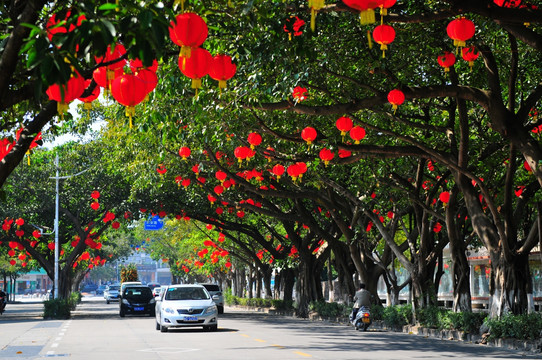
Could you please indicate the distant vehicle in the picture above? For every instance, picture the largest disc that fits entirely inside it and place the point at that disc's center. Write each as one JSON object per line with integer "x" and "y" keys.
{"x": 186, "y": 306}
{"x": 124, "y": 284}
{"x": 136, "y": 300}
{"x": 152, "y": 286}
{"x": 100, "y": 289}
{"x": 157, "y": 290}
{"x": 111, "y": 293}
{"x": 213, "y": 290}
{"x": 88, "y": 288}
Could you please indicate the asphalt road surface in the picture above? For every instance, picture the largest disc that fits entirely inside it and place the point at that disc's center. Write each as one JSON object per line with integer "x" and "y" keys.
{"x": 97, "y": 332}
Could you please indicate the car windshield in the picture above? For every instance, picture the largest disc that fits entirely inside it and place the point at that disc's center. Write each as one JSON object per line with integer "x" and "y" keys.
{"x": 139, "y": 292}
{"x": 186, "y": 293}
{"x": 212, "y": 287}
{"x": 114, "y": 288}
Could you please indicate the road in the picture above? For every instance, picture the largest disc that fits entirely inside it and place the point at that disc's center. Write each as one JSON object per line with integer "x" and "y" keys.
{"x": 97, "y": 332}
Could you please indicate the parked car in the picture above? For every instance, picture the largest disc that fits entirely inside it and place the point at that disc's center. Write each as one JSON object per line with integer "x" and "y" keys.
{"x": 100, "y": 289}
{"x": 213, "y": 290}
{"x": 111, "y": 293}
{"x": 88, "y": 288}
{"x": 136, "y": 300}
{"x": 186, "y": 306}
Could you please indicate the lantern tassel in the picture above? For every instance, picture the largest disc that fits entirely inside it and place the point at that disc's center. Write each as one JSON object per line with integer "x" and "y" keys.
{"x": 130, "y": 112}
{"x": 367, "y": 17}
{"x": 28, "y": 157}
{"x": 61, "y": 108}
{"x": 313, "y": 19}
{"x": 369, "y": 39}
{"x": 383, "y": 47}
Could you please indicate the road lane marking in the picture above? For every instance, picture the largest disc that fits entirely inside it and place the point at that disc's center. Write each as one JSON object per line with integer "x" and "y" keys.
{"x": 302, "y": 354}
{"x": 54, "y": 345}
{"x": 245, "y": 335}
{"x": 279, "y": 346}
{"x": 260, "y": 340}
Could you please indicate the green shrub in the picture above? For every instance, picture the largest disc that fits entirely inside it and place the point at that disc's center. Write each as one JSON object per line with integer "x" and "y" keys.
{"x": 257, "y": 302}
{"x": 397, "y": 316}
{"x": 56, "y": 309}
{"x": 377, "y": 312}
{"x": 525, "y": 326}
{"x": 74, "y": 299}
{"x": 328, "y": 309}
{"x": 431, "y": 317}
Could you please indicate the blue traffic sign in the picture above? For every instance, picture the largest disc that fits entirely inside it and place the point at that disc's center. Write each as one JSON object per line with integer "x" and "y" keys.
{"x": 154, "y": 223}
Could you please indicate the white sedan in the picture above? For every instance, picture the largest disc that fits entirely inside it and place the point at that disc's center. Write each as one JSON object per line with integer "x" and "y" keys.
{"x": 186, "y": 306}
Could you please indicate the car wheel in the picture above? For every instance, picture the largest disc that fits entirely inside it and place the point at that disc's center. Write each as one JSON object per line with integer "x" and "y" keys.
{"x": 214, "y": 327}
{"x": 121, "y": 313}
{"x": 221, "y": 309}
{"x": 107, "y": 301}
{"x": 152, "y": 314}
{"x": 163, "y": 328}
{"x": 157, "y": 326}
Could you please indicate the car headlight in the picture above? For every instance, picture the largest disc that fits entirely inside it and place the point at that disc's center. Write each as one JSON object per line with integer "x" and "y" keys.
{"x": 125, "y": 302}
{"x": 169, "y": 310}
{"x": 152, "y": 301}
{"x": 210, "y": 310}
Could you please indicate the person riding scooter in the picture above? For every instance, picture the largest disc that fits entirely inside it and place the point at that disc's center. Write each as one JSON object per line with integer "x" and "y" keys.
{"x": 3, "y": 301}
{"x": 362, "y": 300}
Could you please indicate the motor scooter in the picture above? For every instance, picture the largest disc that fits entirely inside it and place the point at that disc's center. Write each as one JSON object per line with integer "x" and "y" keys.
{"x": 362, "y": 321}
{"x": 3, "y": 302}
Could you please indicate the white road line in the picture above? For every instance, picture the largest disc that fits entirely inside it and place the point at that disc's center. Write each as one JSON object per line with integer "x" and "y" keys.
{"x": 54, "y": 345}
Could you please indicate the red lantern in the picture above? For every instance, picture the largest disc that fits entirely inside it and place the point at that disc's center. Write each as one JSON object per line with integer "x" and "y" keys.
{"x": 508, "y": 3}
{"x": 188, "y": 30}
{"x": 470, "y": 54}
{"x": 326, "y": 156}
{"x": 254, "y": 139}
{"x": 293, "y": 25}
{"x": 344, "y": 153}
{"x": 385, "y": 5}
{"x": 396, "y": 98}
{"x": 299, "y": 94}
{"x": 446, "y": 60}
{"x": 64, "y": 94}
{"x": 136, "y": 65}
{"x": 241, "y": 153}
{"x": 219, "y": 189}
{"x": 184, "y": 152}
{"x": 129, "y": 90}
{"x": 277, "y": 170}
{"x": 87, "y": 101}
{"x": 185, "y": 183}
{"x": 460, "y": 30}
{"x": 308, "y": 134}
{"x": 357, "y": 133}
{"x": 114, "y": 58}
{"x": 104, "y": 78}
{"x": 53, "y": 26}
{"x": 222, "y": 69}
{"x": 344, "y": 124}
{"x": 149, "y": 78}
{"x": 384, "y": 35}
{"x": 196, "y": 66}
{"x": 366, "y": 8}
{"x": 221, "y": 175}
{"x": 444, "y": 197}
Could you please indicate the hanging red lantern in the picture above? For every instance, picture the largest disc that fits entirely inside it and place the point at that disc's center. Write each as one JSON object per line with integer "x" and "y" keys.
{"x": 444, "y": 197}
{"x": 184, "y": 152}
{"x": 277, "y": 170}
{"x": 219, "y": 189}
{"x": 366, "y": 8}
{"x": 221, "y": 175}
{"x": 64, "y": 94}
{"x": 344, "y": 124}
{"x": 129, "y": 90}
{"x": 222, "y": 69}
{"x": 149, "y": 78}
{"x": 196, "y": 66}
{"x": 508, "y": 3}
{"x": 87, "y": 101}
{"x": 385, "y": 5}
{"x": 137, "y": 65}
{"x": 254, "y": 139}
{"x": 396, "y": 97}
{"x": 384, "y": 35}
{"x": 188, "y": 30}
{"x": 241, "y": 214}
{"x": 308, "y": 134}
{"x": 54, "y": 26}
{"x": 104, "y": 78}
{"x": 299, "y": 94}
{"x": 460, "y": 30}
{"x": 343, "y": 153}
{"x": 293, "y": 26}
{"x": 357, "y": 133}
{"x": 470, "y": 54}
{"x": 241, "y": 153}
{"x": 446, "y": 60}
{"x": 326, "y": 156}
{"x": 114, "y": 57}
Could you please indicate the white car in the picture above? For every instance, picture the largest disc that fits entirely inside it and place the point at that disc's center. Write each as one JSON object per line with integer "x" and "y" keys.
{"x": 213, "y": 290}
{"x": 111, "y": 293}
{"x": 186, "y": 306}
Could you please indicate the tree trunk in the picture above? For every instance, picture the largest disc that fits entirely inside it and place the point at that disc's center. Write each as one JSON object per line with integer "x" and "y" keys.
{"x": 289, "y": 283}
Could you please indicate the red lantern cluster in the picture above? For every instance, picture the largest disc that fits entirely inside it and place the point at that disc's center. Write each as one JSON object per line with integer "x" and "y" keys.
{"x": 297, "y": 170}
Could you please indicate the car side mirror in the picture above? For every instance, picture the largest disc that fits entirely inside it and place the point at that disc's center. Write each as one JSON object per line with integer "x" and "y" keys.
{"x": 216, "y": 297}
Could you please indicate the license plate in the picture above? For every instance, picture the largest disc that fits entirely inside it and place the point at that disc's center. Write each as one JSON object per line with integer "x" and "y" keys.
{"x": 139, "y": 308}
{"x": 366, "y": 320}
{"x": 190, "y": 318}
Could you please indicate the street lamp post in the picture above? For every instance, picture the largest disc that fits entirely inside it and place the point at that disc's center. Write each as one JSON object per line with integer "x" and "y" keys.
{"x": 57, "y": 207}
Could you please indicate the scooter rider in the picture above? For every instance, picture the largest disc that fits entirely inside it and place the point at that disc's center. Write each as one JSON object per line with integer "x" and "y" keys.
{"x": 362, "y": 298}
{"x": 3, "y": 301}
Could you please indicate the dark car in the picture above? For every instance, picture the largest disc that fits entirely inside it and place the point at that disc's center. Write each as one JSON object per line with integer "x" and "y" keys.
{"x": 136, "y": 300}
